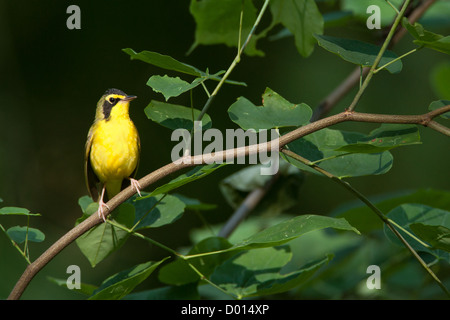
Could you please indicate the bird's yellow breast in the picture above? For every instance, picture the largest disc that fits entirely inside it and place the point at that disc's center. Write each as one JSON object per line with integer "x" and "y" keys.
{"x": 115, "y": 149}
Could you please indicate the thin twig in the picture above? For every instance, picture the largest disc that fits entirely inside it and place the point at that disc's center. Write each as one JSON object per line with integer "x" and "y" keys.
{"x": 439, "y": 127}
{"x": 352, "y": 79}
{"x": 378, "y": 57}
{"x": 236, "y": 60}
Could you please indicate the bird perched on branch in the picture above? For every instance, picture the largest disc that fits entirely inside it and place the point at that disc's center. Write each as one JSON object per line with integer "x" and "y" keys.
{"x": 112, "y": 149}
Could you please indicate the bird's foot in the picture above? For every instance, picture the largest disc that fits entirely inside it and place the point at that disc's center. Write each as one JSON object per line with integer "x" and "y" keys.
{"x": 135, "y": 184}
{"x": 101, "y": 205}
{"x": 101, "y": 213}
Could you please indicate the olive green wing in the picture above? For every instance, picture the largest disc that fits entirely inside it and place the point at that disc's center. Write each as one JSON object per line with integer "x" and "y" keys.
{"x": 90, "y": 177}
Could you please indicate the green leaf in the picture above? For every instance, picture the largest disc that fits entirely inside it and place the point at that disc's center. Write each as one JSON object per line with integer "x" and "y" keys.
{"x": 179, "y": 272}
{"x": 437, "y": 236}
{"x": 358, "y": 52}
{"x": 276, "y": 112}
{"x": 102, "y": 240}
{"x": 169, "y": 63}
{"x": 84, "y": 202}
{"x": 174, "y": 116}
{"x": 122, "y": 283}
{"x": 170, "y": 86}
{"x": 17, "y": 211}
{"x": 86, "y": 289}
{"x": 302, "y": 18}
{"x": 426, "y": 38}
{"x": 157, "y": 211}
{"x": 291, "y": 229}
{"x": 439, "y": 104}
{"x": 164, "y": 62}
{"x": 412, "y": 213}
{"x": 19, "y": 234}
{"x": 218, "y": 22}
{"x": 195, "y": 174}
{"x": 440, "y": 80}
{"x": 386, "y": 137}
{"x": 320, "y": 147}
{"x": 362, "y": 218}
{"x": 257, "y": 272}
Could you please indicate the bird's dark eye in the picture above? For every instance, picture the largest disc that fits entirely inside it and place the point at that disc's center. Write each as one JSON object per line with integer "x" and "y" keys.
{"x": 112, "y": 100}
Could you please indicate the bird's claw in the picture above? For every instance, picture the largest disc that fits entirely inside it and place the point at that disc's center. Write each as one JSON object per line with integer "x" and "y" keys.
{"x": 100, "y": 211}
{"x": 102, "y": 204}
{"x": 135, "y": 184}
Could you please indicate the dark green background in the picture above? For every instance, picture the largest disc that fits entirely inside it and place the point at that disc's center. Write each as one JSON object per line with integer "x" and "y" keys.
{"x": 52, "y": 77}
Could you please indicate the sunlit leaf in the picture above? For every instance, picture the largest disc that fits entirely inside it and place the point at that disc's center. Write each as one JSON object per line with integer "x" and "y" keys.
{"x": 17, "y": 211}
{"x": 275, "y": 112}
{"x": 171, "y": 86}
{"x": 19, "y": 234}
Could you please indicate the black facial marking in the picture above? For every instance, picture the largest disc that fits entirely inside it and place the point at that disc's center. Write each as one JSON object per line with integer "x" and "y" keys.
{"x": 109, "y": 103}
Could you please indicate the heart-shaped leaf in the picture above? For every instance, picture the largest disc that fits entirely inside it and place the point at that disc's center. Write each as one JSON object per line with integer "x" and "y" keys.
{"x": 276, "y": 112}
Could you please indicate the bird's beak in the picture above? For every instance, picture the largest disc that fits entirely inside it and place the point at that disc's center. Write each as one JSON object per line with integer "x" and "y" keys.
{"x": 129, "y": 98}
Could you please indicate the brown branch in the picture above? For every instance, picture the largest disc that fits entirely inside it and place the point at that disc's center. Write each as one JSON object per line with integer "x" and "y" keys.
{"x": 155, "y": 176}
{"x": 439, "y": 127}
